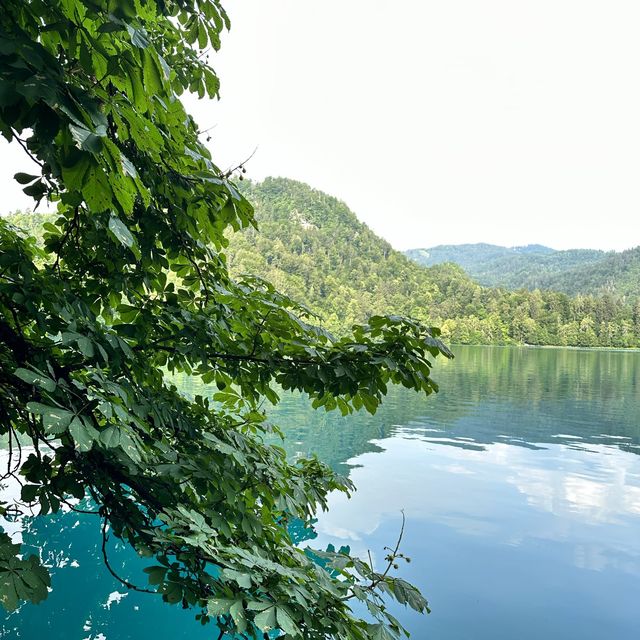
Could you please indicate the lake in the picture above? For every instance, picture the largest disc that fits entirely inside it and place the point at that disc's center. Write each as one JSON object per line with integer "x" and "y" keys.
{"x": 520, "y": 482}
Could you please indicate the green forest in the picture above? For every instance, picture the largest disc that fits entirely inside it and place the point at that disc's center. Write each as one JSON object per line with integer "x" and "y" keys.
{"x": 313, "y": 247}
{"x": 573, "y": 271}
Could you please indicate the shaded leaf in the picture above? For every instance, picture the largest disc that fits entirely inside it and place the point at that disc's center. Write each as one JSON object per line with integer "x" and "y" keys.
{"x": 36, "y": 378}
{"x": 120, "y": 231}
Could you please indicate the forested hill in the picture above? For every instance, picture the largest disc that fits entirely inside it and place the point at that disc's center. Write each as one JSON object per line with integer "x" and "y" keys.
{"x": 313, "y": 247}
{"x": 616, "y": 273}
{"x": 530, "y": 267}
{"x": 537, "y": 267}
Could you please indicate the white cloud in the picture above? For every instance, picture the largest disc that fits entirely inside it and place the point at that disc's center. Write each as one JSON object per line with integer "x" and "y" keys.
{"x": 506, "y": 493}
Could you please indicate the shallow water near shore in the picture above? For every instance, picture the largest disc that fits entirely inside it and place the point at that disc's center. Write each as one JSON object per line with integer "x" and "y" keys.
{"x": 520, "y": 483}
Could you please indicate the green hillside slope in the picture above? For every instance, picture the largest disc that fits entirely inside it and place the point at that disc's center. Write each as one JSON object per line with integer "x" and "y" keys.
{"x": 311, "y": 246}
{"x": 530, "y": 267}
{"x": 617, "y": 274}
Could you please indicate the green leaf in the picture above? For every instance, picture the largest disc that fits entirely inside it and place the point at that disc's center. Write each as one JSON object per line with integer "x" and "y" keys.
{"x": 380, "y": 632}
{"x": 121, "y": 232}
{"x": 87, "y": 140}
{"x": 243, "y": 579}
{"x": 212, "y": 83}
{"x": 156, "y": 574}
{"x": 83, "y": 434}
{"x": 74, "y": 174}
{"x": 286, "y": 623}
{"x": 24, "y": 178}
{"x": 36, "y": 378}
{"x": 96, "y": 189}
{"x": 237, "y": 614}
{"x": 406, "y": 593}
{"x": 21, "y": 579}
{"x": 258, "y": 605}
{"x": 128, "y": 166}
{"x": 86, "y": 347}
{"x": 172, "y": 592}
{"x": 111, "y": 27}
{"x": 152, "y": 73}
{"x": 138, "y": 37}
{"x": 219, "y": 606}
{"x": 36, "y": 190}
{"x": 29, "y": 492}
{"x": 55, "y": 420}
{"x": 129, "y": 285}
{"x": 266, "y": 620}
{"x": 124, "y": 193}
{"x": 110, "y": 437}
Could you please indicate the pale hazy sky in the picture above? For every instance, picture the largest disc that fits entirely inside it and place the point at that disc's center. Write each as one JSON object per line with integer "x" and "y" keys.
{"x": 504, "y": 121}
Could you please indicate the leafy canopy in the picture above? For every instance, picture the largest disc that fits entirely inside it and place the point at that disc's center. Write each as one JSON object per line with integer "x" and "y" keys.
{"x": 132, "y": 283}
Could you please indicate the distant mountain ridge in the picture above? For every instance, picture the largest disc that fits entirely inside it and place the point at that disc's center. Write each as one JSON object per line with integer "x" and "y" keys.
{"x": 573, "y": 271}
{"x": 616, "y": 273}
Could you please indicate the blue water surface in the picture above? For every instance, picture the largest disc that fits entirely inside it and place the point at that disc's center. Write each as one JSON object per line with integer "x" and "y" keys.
{"x": 520, "y": 483}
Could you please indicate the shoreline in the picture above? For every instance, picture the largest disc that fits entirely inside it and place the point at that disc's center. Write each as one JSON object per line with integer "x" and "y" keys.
{"x": 546, "y": 346}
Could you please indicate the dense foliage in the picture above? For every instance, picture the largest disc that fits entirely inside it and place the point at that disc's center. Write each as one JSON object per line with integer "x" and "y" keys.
{"x": 131, "y": 281}
{"x": 574, "y": 271}
{"x": 316, "y": 250}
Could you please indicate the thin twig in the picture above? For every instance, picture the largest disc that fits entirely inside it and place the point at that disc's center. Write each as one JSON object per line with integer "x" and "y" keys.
{"x": 391, "y": 560}
{"x": 259, "y": 331}
{"x": 126, "y": 583}
{"x": 229, "y": 172}
{"x": 67, "y": 233}
{"x": 21, "y": 142}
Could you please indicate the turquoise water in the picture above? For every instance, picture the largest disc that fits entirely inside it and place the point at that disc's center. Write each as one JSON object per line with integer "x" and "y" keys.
{"x": 520, "y": 482}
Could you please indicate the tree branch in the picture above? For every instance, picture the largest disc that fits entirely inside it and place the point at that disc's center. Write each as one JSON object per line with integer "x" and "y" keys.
{"x": 126, "y": 583}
